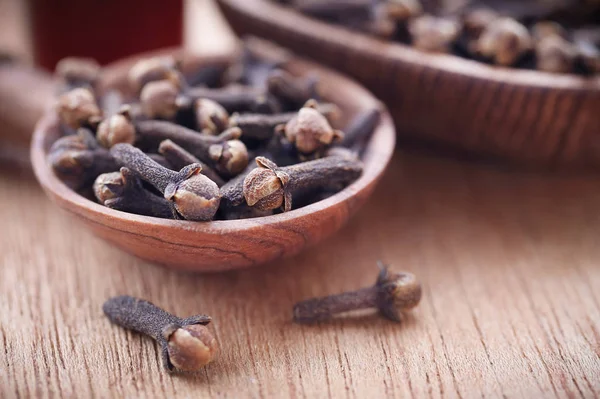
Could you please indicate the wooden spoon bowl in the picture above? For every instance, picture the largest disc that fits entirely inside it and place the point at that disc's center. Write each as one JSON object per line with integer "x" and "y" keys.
{"x": 222, "y": 245}
{"x": 525, "y": 116}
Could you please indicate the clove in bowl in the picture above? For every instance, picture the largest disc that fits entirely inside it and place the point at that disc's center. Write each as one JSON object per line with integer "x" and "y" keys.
{"x": 260, "y": 201}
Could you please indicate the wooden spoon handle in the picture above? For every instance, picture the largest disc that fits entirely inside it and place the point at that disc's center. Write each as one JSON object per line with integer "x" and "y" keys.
{"x": 25, "y": 93}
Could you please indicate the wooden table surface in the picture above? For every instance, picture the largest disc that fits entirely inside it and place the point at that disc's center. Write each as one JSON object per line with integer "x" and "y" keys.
{"x": 508, "y": 260}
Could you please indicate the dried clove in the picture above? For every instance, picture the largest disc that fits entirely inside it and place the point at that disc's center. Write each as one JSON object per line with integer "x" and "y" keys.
{"x": 263, "y": 126}
{"x": 116, "y": 129}
{"x": 270, "y": 186}
{"x": 309, "y": 131}
{"x": 164, "y": 99}
{"x": 433, "y": 34}
{"x": 78, "y": 160}
{"x": 555, "y": 54}
{"x": 211, "y": 117}
{"x": 186, "y": 344}
{"x": 233, "y": 98}
{"x": 225, "y": 152}
{"x": 259, "y": 126}
{"x": 475, "y": 21}
{"x": 123, "y": 191}
{"x": 504, "y": 41}
{"x": 194, "y": 196}
{"x": 391, "y": 295}
{"x": 158, "y": 99}
{"x": 232, "y": 192}
{"x": 179, "y": 158}
{"x": 293, "y": 91}
{"x": 153, "y": 69}
{"x": 78, "y": 107}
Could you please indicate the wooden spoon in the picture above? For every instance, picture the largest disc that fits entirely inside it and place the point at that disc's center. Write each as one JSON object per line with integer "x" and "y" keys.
{"x": 222, "y": 245}
{"x": 528, "y": 117}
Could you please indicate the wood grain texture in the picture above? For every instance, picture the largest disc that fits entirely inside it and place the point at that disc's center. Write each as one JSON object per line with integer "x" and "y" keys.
{"x": 524, "y": 116}
{"x": 508, "y": 263}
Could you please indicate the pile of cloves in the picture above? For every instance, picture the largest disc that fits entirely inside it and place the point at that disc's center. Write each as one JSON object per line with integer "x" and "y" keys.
{"x": 245, "y": 140}
{"x": 560, "y": 36}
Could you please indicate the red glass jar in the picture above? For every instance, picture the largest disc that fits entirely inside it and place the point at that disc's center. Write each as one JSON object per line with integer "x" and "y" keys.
{"x": 105, "y": 30}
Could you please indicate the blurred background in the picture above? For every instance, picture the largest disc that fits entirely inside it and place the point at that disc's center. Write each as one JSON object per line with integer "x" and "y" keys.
{"x": 36, "y": 34}
{"x": 42, "y": 31}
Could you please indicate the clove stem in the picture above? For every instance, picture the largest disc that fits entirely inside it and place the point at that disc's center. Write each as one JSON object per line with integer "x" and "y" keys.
{"x": 179, "y": 158}
{"x": 123, "y": 191}
{"x": 189, "y": 353}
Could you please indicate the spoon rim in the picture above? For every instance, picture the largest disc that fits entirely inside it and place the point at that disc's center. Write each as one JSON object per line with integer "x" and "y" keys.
{"x": 294, "y": 23}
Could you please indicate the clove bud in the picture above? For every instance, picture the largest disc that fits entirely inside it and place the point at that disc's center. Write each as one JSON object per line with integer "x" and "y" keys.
{"x": 186, "y": 344}
{"x": 159, "y": 99}
{"x": 78, "y": 107}
{"x": 555, "y": 54}
{"x": 78, "y": 160}
{"x": 116, "y": 129}
{"x": 475, "y": 21}
{"x": 153, "y": 69}
{"x": 225, "y": 152}
{"x": 310, "y": 131}
{"x": 392, "y": 294}
{"x": 504, "y": 41}
{"x": 271, "y": 187}
{"x": 433, "y": 34}
{"x": 194, "y": 196}
{"x": 263, "y": 127}
{"x": 123, "y": 191}
{"x": 211, "y": 117}
{"x": 179, "y": 158}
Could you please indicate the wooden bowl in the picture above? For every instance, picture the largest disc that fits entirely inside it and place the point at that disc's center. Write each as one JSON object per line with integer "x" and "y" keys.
{"x": 521, "y": 115}
{"x": 222, "y": 245}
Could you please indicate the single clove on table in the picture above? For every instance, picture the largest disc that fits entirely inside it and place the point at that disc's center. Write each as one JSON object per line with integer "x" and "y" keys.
{"x": 500, "y": 32}
{"x": 392, "y": 294}
{"x": 239, "y": 144}
{"x": 186, "y": 344}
